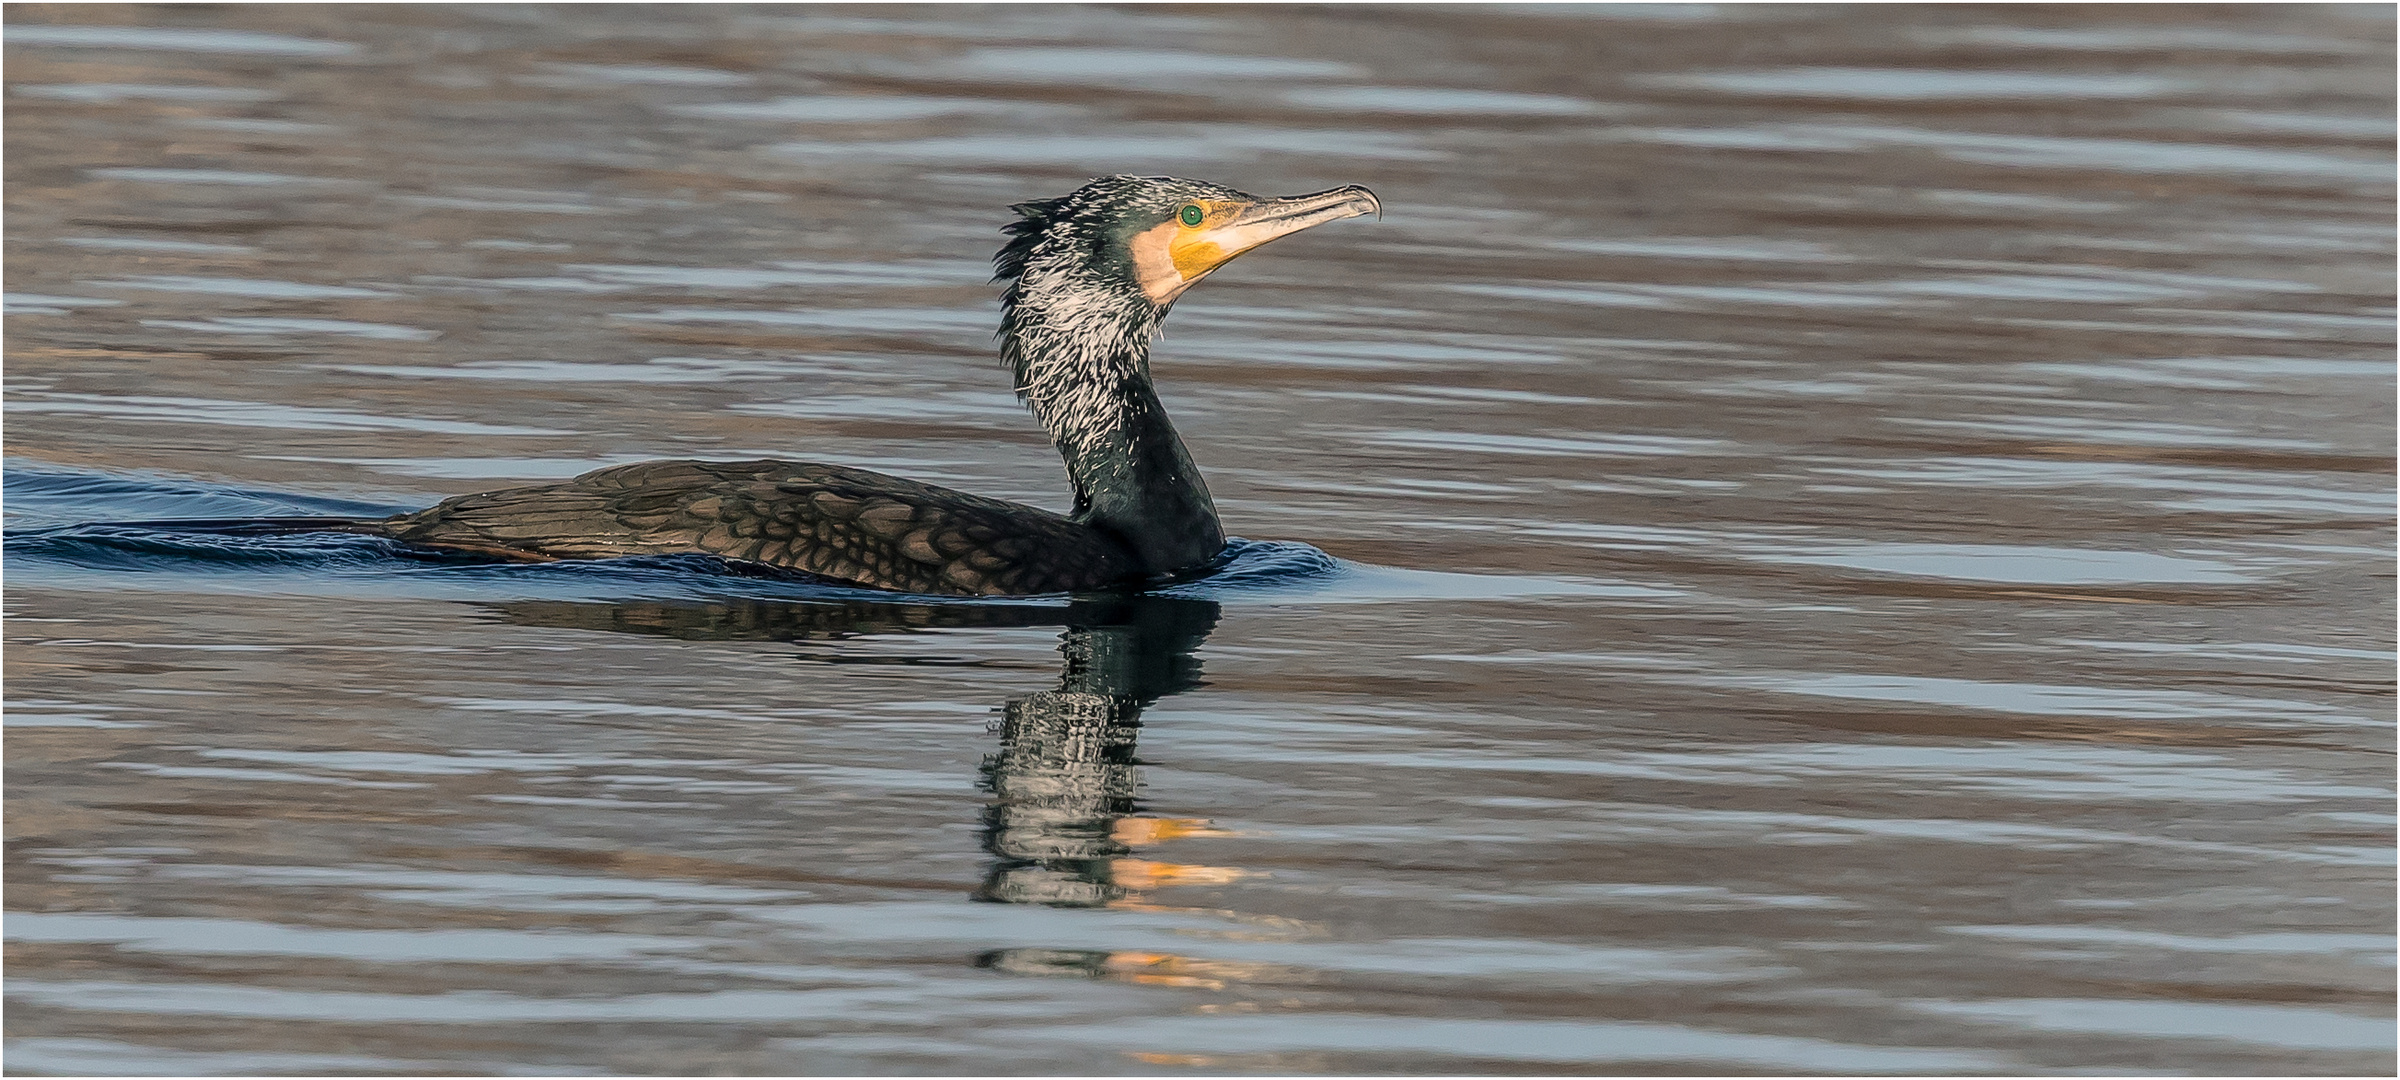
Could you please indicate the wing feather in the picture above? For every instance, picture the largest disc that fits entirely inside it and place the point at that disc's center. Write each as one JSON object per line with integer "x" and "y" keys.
{"x": 846, "y": 524}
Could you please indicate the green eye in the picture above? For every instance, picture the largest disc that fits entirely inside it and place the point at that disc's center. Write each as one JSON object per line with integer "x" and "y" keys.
{"x": 1192, "y": 215}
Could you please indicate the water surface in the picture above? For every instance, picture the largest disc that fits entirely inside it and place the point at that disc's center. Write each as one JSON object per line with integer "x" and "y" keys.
{"x": 1805, "y": 540}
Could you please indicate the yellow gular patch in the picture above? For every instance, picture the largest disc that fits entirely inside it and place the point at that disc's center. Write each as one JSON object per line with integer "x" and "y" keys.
{"x": 1172, "y": 257}
{"x": 1196, "y": 255}
{"x": 1201, "y": 248}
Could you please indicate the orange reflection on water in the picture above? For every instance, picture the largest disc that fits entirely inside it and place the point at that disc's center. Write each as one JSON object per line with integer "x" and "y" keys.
{"x": 1144, "y": 831}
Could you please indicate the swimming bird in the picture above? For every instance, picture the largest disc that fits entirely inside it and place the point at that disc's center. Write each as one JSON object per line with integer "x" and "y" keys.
{"x": 1090, "y": 278}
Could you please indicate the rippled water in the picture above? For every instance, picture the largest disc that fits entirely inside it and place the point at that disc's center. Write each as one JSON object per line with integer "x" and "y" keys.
{"x": 1806, "y": 540}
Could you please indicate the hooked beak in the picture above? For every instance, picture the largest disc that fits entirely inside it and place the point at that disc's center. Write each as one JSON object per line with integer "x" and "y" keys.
{"x": 1267, "y": 219}
{"x": 1172, "y": 257}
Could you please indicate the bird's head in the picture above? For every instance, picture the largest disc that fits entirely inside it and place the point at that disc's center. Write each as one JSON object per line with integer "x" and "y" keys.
{"x": 1152, "y": 237}
{"x": 1090, "y": 275}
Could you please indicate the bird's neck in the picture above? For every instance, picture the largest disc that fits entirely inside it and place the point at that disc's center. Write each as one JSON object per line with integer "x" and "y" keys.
{"x": 1086, "y": 373}
{"x": 1134, "y": 480}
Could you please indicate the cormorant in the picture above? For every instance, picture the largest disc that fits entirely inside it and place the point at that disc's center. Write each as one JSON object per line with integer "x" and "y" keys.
{"x": 1090, "y": 277}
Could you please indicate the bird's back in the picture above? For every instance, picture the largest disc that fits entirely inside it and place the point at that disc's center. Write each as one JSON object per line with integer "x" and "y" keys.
{"x": 836, "y": 522}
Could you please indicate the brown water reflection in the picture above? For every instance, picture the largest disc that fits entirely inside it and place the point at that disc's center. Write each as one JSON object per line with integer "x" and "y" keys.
{"x": 1869, "y": 542}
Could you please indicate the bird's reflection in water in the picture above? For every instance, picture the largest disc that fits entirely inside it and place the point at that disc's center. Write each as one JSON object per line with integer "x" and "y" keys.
{"x": 1062, "y": 824}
